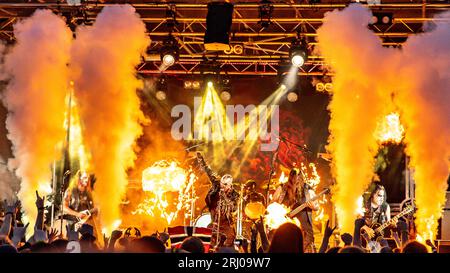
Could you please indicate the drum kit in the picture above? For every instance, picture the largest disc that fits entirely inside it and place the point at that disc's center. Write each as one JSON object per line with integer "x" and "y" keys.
{"x": 253, "y": 211}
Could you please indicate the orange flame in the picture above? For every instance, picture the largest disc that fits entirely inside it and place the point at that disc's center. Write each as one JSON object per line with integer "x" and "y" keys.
{"x": 162, "y": 177}
{"x": 277, "y": 215}
{"x": 390, "y": 129}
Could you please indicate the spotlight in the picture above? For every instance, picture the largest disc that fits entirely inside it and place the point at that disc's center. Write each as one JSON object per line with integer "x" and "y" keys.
{"x": 161, "y": 89}
{"x": 191, "y": 84}
{"x": 195, "y": 85}
{"x": 298, "y": 53}
{"x": 225, "y": 86}
{"x": 328, "y": 87}
{"x": 160, "y": 95}
{"x": 225, "y": 95}
{"x": 382, "y": 18}
{"x": 292, "y": 96}
{"x": 169, "y": 51}
{"x": 210, "y": 84}
{"x": 168, "y": 59}
{"x": 187, "y": 84}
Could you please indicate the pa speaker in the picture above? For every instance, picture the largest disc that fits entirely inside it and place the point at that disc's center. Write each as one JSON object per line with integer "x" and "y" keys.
{"x": 218, "y": 25}
{"x": 443, "y": 246}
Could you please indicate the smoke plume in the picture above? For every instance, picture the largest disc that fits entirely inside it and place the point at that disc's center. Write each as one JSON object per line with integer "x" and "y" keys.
{"x": 104, "y": 57}
{"x": 358, "y": 102}
{"x": 367, "y": 77}
{"x": 37, "y": 74}
{"x": 423, "y": 97}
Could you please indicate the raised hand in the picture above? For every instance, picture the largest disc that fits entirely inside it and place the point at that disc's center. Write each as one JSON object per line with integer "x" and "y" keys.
{"x": 14, "y": 208}
{"x": 40, "y": 236}
{"x": 19, "y": 233}
{"x": 328, "y": 230}
{"x": 39, "y": 201}
{"x": 52, "y": 234}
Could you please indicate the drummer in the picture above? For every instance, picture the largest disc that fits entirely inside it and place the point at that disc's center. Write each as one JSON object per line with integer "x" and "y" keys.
{"x": 251, "y": 195}
{"x": 254, "y": 206}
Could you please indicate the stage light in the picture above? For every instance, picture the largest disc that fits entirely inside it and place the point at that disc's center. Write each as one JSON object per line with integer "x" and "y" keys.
{"x": 210, "y": 84}
{"x": 195, "y": 85}
{"x": 161, "y": 89}
{"x": 292, "y": 96}
{"x": 382, "y": 18}
{"x": 187, "y": 84}
{"x": 225, "y": 95}
{"x": 298, "y": 53}
{"x": 225, "y": 86}
{"x": 168, "y": 59}
{"x": 328, "y": 87}
{"x": 298, "y": 60}
{"x": 160, "y": 95}
{"x": 191, "y": 84}
{"x": 169, "y": 52}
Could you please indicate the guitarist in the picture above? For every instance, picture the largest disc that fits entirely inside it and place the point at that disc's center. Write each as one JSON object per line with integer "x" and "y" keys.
{"x": 376, "y": 209}
{"x": 296, "y": 192}
{"x": 78, "y": 202}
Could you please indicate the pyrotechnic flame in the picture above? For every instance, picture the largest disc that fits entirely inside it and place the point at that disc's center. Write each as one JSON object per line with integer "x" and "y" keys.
{"x": 283, "y": 178}
{"x": 77, "y": 148}
{"x": 360, "y": 206}
{"x": 277, "y": 215}
{"x": 314, "y": 179}
{"x": 320, "y": 215}
{"x": 162, "y": 177}
{"x": 390, "y": 129}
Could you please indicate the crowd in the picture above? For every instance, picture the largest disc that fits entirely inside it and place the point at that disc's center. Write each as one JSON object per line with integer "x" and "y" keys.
{"x": 288, "y": 238}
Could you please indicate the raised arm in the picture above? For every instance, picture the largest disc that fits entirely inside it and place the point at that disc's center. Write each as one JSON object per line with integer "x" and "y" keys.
{"x": 41, "y": 209}
{"x": 213, "y": 177}
{"x": 9, "y": 216}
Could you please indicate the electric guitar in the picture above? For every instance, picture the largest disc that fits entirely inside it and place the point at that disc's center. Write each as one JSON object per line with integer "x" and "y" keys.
{"x": 378, "y": 230}
{"x": 81, "y": 221}
{"x": 298, "y": 209}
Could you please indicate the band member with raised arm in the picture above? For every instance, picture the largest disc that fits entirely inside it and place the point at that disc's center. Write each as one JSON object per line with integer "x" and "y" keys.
{"x": 222, "y": 202}
{"x": 294, "y": 193}
{"x": 78, "y": 202}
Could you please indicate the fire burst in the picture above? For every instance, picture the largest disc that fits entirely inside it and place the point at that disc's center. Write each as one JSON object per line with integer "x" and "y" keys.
{"x": 390, "y": 129}
{"x": 277, "y": 215}
{"x": 162, "y": 177}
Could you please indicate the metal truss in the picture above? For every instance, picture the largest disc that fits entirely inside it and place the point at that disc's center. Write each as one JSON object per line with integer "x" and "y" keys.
{"x": 254, "y": 50}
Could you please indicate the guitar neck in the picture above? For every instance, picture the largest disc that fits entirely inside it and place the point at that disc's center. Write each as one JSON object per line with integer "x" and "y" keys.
{"x": 303, "y": 206}
{"x": 388, "y": 223}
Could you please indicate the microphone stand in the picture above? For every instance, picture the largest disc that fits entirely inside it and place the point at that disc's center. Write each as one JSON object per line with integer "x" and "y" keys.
{"x": 272, "y": 169}
{"x": 62, "y": 200}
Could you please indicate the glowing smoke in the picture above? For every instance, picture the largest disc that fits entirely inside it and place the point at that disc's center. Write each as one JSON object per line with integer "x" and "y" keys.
{"x": 358, "y": 103}
{"x": 366, "y": 77}
{"x": 37, "y": 73}
{"x": 424, "y": 94}
{"x": 104, "y": 57}
{"x": 9, "y": 183}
